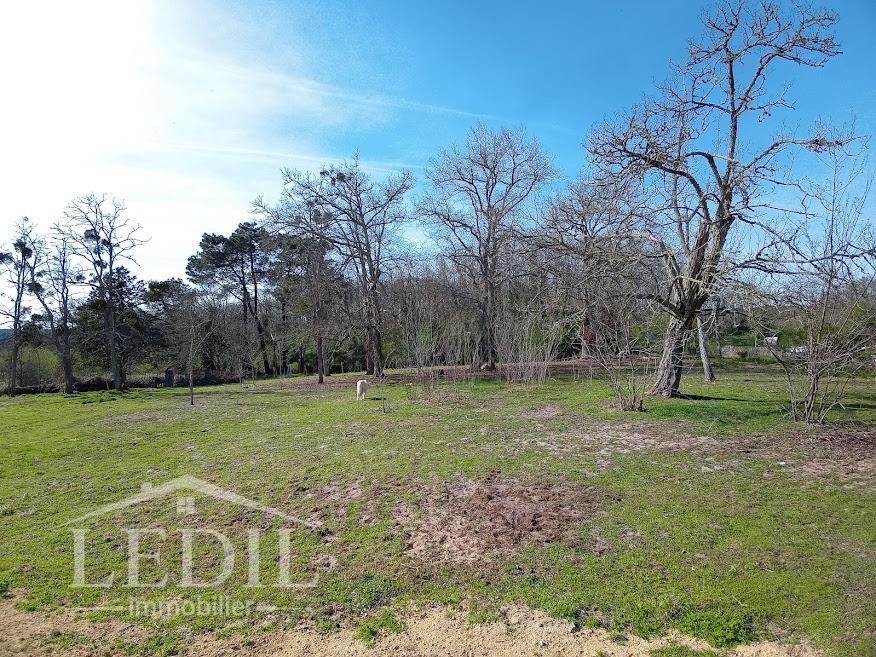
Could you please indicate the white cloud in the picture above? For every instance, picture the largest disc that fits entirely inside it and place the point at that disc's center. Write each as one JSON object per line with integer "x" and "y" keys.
{"x": 100, "y": 96}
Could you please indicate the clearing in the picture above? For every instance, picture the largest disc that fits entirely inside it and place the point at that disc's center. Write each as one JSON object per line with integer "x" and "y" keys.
{"x": 482, "y": 519}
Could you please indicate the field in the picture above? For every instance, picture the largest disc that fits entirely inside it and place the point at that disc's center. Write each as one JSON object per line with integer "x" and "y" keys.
{"x": 483, "y": 512}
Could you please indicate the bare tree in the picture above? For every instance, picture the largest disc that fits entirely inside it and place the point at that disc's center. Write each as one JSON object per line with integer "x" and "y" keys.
{"x": 414, "y": 300}
{"x": 189, "y": 318}
{"x": 825, "y": 299}
{"x": 359, "y": 219}
{"x": 17, "y": 265}
{"x": 478, "y": 200}
{"x": 620, "y": 347}
{"x": 697, "y": 145}
{"x": 610, "y": 278}
{"x": 98, "y": 233}
{"x": 52, "y": 281}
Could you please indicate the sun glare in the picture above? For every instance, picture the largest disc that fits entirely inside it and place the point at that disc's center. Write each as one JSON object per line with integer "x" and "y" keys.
{"x": 74, "y": 71}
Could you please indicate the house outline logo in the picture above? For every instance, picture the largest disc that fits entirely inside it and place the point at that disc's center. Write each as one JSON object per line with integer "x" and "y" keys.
{"x": 185, "y": 505}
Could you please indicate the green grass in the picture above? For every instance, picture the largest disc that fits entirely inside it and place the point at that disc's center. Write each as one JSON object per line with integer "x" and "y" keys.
{"x": 720, "y": 544}
{"x": 370, "y": 629}
{"x": 65, "y": 641}
{"x": 160, "y": 644}
{"x": 677, "y": 650}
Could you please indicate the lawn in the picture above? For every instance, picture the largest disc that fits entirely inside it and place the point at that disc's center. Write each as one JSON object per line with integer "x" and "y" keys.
{"x": 715, "y": 516}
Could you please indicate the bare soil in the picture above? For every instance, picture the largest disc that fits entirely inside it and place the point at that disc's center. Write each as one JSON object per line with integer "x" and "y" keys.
{"x": 824, "y": 454}
{"x": 439, "y": 631}
{"x": 31, "y": 633}
{"x": 486, "y": 520}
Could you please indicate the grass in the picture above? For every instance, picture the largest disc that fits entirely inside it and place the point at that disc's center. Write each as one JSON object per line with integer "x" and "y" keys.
{"x": 370, "y": 629}
{"x": 65, "y": 641}
{"x": 677, "y": 650}
{"x": 160, "y": 644}
{"x": 723, "y": 545}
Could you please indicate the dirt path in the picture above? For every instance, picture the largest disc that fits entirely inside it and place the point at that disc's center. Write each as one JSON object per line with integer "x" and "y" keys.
{"x": 437, "y": 632}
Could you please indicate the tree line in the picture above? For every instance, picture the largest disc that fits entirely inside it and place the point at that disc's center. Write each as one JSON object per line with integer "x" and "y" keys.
{"x": 696, "y": 208}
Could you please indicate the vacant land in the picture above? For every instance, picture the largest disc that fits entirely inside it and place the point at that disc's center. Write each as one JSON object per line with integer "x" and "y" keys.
{"x": 530, "y": 520}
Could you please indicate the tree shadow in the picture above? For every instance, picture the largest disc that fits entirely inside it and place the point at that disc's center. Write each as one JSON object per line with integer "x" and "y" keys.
{"x": 847, "y": 406}
{"x": 693, "y": 397}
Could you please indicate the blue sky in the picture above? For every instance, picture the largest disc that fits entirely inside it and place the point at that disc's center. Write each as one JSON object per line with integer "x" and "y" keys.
{"x": 189, "y": 109}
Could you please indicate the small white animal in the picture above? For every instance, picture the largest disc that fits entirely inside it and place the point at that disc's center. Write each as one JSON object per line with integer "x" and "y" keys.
{"x": 361, "y": 389}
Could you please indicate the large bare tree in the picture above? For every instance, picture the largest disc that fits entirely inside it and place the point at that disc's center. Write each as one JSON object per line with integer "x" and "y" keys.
{"x": 97, "y": 231}
{"x": 359, "y": 218}
{"x": 478, "y": 199}
{"x": 700, "y": 146}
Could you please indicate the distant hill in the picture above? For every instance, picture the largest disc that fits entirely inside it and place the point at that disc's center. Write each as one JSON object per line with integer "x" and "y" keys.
{"x": 5, "y": 333}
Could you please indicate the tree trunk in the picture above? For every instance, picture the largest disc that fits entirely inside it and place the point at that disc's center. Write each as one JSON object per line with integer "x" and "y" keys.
{"x": 810, "y": 414}
{"x": 266, "y": 361}
{"x": 284, "y": 346}
{"x": 263, "y": 348}
{"x": 67, "y": 364}
{"x": 672, "y": 361}
{"x": 810, "y": 402}
{"x": 301, "y": 360}
{"x": 13, "y": 365}
{"x": 320, "y": 359}
{"x": 373, "y": 338}
{"x": 488, "y": 329}
{"x": 708, "y": 373}
{"x": 369, "y": 353}
{"x": 377, "y": 342}
{"x": 191, "y": 373}
{"x": 113, "y": 345}
{"x": 487, "y": 343}
{"x": 717, "y": 321}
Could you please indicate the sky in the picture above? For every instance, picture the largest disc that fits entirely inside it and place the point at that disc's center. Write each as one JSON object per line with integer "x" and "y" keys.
{"x": 188, "y": 110}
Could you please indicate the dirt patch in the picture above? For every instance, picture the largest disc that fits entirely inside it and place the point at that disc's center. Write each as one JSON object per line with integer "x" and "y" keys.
{"x": 334, "y": 492}
{"x": 546, "y": 412}
{"x": 30, "y": 633}
{"x": 845, "y": 456}
{"x": 435, "y": 632}
{"x": 487, "y": 520}
{"x": 444, "y": 632}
